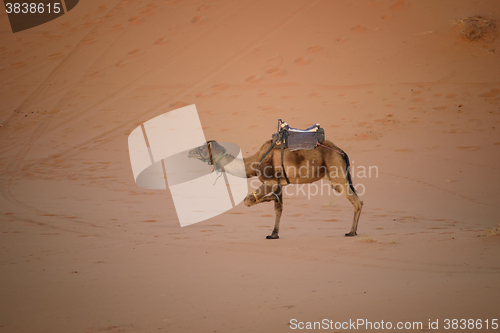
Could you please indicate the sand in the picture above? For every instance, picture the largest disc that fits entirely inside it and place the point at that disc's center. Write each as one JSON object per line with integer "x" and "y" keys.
{"x": 394, "y": 83}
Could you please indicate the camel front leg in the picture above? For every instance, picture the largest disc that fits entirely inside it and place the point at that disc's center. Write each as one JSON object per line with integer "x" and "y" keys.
{"x": 259, "y": 195}
{"x": 262, "y": 195}
{"x": 278, "y": 210}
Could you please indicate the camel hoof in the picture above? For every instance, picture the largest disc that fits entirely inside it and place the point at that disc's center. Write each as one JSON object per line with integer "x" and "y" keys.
{"x": 273, "y": 236}
{"x": 351, "y": 234}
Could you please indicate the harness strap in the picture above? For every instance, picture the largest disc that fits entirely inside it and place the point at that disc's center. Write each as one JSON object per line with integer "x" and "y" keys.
{"x": 257, "y": 199}
{"x": 219, "y": 158}
{"x": 267, "y": 152}
{"x": 214, "y": 161}
{"x": 210, "y": 154}
{"x": 335, "y": 150}
{"x": 255, "y": 196}
{"x": 284, "y": 141}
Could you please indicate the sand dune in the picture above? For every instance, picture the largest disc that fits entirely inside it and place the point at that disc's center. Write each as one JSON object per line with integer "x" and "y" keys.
{"x": 397, "y": 84}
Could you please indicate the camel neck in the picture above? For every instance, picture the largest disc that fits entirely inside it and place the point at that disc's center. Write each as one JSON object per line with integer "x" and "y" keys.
{"x": 236, "y": 166}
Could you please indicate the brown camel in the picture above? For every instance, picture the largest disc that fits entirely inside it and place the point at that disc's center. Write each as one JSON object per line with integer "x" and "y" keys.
{"x": 326, "y": 161}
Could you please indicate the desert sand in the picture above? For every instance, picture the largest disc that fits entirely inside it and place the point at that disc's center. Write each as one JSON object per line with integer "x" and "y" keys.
{"x": 396, "y": 84}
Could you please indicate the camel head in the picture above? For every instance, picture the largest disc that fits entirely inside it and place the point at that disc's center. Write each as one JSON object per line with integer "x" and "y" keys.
{"x": 207, "y": 152}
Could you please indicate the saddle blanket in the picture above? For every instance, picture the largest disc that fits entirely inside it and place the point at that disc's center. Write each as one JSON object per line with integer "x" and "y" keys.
{"x": 298, "y": 139}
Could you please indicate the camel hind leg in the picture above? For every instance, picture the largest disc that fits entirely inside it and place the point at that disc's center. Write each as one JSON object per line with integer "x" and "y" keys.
{"x": 356, "y": 202}
{"x": 343, "y": 183}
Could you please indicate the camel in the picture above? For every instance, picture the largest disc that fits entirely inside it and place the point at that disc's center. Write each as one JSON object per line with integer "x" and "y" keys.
{"x": 325, "y": 161}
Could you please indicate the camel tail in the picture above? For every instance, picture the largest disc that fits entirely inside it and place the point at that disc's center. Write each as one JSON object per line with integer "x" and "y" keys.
{"x": 348, "y": 172}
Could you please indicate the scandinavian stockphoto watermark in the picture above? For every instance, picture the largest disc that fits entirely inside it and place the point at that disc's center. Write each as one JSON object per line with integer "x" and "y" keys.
{"x": 365, "y": 324}
{"x": 159, "y": 155}
{"x": 324, "y": 187}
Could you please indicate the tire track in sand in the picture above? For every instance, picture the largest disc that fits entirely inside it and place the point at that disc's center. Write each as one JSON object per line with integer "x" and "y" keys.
{"x": 120, "y": 92}
{"x": 246, "y": 50}
{"x": 439, "y": 188}
{"x": 14, "y": 167}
